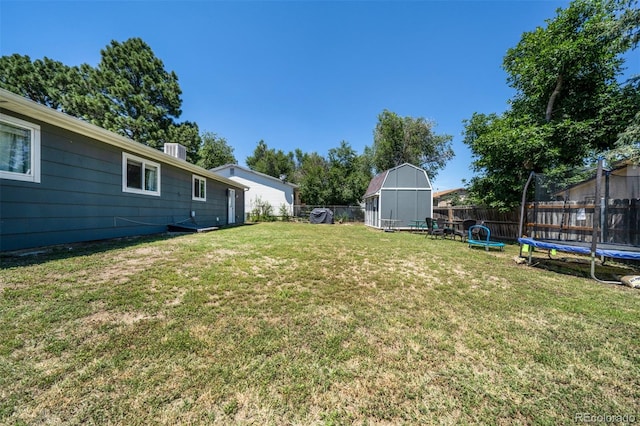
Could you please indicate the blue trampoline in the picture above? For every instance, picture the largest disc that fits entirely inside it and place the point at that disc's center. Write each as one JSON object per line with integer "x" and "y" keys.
{"x": 576, "y": 247}
{"x": 590, "y": 213}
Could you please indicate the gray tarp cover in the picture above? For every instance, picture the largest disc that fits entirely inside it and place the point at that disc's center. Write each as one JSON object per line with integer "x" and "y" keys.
{"x": 321, "y": 216}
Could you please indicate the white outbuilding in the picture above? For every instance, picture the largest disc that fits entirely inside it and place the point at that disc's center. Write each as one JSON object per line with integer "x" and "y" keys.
{"x": 263, "y": 189}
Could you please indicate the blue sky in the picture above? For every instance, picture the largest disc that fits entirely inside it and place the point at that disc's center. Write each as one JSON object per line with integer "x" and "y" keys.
{"x": 301, "y": 74}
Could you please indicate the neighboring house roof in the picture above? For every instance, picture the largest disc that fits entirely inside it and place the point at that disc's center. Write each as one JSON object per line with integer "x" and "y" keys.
{"x": 249, "y": 171}
{"x": 619, "y": 166}
{"x": 375, "y": 185}
{"x": 446, "y": 192}
{"x": 18, "y": 104}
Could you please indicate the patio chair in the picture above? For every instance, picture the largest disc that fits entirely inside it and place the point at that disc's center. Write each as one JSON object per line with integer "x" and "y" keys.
{"x": 433, "y": 229}
{"x": 446, "y": 231}
{"x": 463, "y": 234}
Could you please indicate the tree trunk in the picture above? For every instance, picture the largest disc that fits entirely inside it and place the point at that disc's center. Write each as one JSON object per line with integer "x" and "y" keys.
{"x": 553, "y": 97}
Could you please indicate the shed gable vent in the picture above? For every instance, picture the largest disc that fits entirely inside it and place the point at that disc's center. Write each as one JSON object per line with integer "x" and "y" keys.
{"x": 176, "y": 150}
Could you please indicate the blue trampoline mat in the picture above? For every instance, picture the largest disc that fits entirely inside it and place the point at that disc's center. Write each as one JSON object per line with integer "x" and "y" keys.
{"x": 578, "y": 247}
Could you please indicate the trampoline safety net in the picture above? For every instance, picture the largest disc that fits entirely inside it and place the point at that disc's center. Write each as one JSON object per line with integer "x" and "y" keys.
{"x": 565, "y": 207}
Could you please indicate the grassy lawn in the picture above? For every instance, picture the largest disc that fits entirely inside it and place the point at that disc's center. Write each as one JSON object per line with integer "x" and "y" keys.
{"x": 284, "y": 323}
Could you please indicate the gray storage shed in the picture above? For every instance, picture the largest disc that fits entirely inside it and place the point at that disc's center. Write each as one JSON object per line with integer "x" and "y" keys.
{"x": 397, "y": 197}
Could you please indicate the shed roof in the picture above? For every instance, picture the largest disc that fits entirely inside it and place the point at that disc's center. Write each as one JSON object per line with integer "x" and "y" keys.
{"x": 375, "y": 185}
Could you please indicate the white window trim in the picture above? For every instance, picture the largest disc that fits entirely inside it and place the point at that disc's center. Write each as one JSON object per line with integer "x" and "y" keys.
{"x": 34, "y": 176}
{"x": 195, "y": 178}
{"x": 126, "y": 156}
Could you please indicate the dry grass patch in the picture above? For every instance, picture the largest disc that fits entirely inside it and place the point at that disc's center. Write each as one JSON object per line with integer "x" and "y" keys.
{"x": 303, "y": 324}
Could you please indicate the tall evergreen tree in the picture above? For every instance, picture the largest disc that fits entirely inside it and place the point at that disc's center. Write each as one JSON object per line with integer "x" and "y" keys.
{"x": 186, "y": 134}
{"x": 129, "y": 93}
{"x": 132, "y": 94}
{"x": 45, "y": 81}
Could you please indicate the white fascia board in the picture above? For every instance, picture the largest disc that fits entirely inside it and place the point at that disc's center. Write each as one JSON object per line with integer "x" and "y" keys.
{"x": 400, "y": 188}
{"x": 245, "y": 169}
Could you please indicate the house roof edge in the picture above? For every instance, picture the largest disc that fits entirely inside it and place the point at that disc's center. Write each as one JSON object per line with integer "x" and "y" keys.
{"x": 18, "y": 104}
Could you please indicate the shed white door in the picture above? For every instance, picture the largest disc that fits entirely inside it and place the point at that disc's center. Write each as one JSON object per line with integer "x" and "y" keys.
{"x": 231, "y": 211}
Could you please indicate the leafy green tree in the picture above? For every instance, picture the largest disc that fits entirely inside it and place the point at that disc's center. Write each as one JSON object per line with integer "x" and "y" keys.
{"x": 312, "y": 178}
{"x": 501, "y": 160}
{"x": 215, "y": 151}
{"x": 399, "y": 140}
{"x": 340, "y": 179}
{"x": 271, "y": 162}
{"x": 556, "y": 70}
{"x": 568, "y": 106}
{"x": 18, "y": 75}
{"x": 347, "y": 180}
{"x": 627, "y": 145}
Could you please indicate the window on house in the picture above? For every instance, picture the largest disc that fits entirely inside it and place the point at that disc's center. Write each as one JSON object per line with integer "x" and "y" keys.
{"x": 199, "y": 188}
{"x": 19, "y": 149}
{"x": 140, "y": 176}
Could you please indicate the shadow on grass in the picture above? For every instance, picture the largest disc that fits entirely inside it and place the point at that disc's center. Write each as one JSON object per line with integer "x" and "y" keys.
{"x": 581, "y": 267}
{"x": 40, "y": 255}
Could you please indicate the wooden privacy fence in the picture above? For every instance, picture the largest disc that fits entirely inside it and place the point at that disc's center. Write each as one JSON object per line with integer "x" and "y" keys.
{"x": 573, "y": 221}
{"x": 558, "y": 220}
{"x": 555, "y": 220}
{"x": 503, "y": 225}
{"x": 622, "y": 222}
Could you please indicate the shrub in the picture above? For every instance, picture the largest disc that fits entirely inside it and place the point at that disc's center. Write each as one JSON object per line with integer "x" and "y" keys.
{"x": 262, "y": 211}
{"x": 284, "y": 213}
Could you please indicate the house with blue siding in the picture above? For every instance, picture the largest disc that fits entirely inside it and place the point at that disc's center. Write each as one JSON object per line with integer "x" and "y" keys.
{"x": 63, "y": 180}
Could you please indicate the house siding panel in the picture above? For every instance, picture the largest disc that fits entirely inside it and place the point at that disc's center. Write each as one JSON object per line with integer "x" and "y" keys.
{"x": 80, "y": 196}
